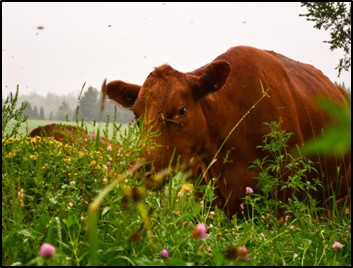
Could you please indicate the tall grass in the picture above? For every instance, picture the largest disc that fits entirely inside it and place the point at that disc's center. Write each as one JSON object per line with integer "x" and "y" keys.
{"x": 95, "y": 210}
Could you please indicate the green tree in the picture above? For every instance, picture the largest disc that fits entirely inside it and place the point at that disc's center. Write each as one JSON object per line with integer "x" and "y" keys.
{"x": 28, "y": 109}
{"x": 64, "y": 111}
{"x": 88, "y": 106}
{"x": 35, "y": 114}
{"x": 41, "y": 113}
{"x": 335, "y": 17}
{"x": 51, "y": 116}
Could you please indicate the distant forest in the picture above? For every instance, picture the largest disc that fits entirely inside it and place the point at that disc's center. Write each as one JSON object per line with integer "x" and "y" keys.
{"x": 69, "y": 107}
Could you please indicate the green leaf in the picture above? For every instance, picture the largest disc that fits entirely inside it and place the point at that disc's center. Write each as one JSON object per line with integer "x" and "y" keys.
{"x": 336, "y": 139}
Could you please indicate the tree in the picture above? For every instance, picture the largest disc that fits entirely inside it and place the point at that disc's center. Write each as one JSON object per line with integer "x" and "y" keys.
{"x": 28, "y": 109}
{"x": 51, "y": 116}
{"x": 335, "y": 17}
{"x": 64, "y": 111}
{"x": 41, "y": 113}
{"x": 35, "y": 113}
{"x": 88, "y": 106}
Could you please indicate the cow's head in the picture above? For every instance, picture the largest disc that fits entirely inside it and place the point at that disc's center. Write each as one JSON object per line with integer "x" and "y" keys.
{"x": 170, "y": 102}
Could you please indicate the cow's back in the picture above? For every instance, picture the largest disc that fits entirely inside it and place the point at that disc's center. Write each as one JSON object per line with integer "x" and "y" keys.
{"x": 293, "y": 89}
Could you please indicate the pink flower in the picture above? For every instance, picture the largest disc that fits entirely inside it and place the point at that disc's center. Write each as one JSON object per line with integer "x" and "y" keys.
{"x": 20, "y": 193}
{"x": 337, "y": 245}
{"x": 249, "y": 190}
{"x": 46, "y": 250}
{"x": 242, "y": 207}
{"x": 199, "y": 231}
{"x": 164, "y": 253}
{"x": 243, "y": 253}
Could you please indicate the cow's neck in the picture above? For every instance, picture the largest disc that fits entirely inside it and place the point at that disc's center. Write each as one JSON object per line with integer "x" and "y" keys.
{"x": 214, "y": 108}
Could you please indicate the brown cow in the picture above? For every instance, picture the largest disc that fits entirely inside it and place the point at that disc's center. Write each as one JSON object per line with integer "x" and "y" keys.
{"x": 195, "y": 111}
{"x": 74, "y": 135}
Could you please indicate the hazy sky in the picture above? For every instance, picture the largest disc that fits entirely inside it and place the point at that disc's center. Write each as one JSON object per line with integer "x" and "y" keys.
{"x": 56, "y": 47}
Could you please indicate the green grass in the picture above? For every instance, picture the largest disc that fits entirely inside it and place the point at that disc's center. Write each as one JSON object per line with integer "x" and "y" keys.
{"x": 91, "y": 126}
{"x": 85, "y": 202}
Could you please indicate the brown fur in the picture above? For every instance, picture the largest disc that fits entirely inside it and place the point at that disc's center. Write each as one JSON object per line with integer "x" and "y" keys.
{"x": 216, "y": 97}
{"x": 66, "y": 133}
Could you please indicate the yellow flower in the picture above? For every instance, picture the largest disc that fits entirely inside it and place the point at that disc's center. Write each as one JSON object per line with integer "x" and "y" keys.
{"x": 98, "y": 154}
{"x": 33, "y": 156}
{"x": 185, "y": 188}
{"x": 34, "y": 139}
{"x": 58, "y": 143}
{"x": 44, "y": 168}
{"x": 67, "y": 148}
{"x": 9, "y": 140}
{"x": 11, "y": 154}
{"x": 67, "y": 160}
{"x": 93, "y": 163}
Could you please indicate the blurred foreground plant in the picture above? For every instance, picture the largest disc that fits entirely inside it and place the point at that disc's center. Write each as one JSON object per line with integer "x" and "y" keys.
{"x": 10, "y": 113}
{"x": 336, "y": 139}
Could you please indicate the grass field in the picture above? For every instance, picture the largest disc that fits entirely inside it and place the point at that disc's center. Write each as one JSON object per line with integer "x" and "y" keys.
{"x": 93, "y": 127}
{"x": 73, "y": 206}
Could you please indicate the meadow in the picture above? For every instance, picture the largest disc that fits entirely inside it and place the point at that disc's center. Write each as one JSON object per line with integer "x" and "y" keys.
{"x": 68, "y": 206}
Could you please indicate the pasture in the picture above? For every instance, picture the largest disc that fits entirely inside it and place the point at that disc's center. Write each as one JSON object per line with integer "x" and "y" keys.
{"x": 91, "y": 126}
{"x": 94, "y": 210}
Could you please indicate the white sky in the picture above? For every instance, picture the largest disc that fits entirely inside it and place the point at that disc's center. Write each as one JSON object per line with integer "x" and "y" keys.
{"x": 88, "y": 42}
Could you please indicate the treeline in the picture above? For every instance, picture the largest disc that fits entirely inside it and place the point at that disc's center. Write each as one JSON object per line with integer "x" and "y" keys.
{"x": 70, "y": 107}
{"x": 88, "y": 107}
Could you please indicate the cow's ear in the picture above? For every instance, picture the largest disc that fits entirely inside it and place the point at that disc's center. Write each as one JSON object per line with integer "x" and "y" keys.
{"x": 213, "y": 79}
{"x": 122, "y": 93}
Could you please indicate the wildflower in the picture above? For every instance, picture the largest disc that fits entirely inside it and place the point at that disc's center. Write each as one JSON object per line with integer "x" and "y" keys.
{"x": 33, "y": 156}
{"x": 109, "y": 148}
{"x": 46, "y": 250}
{"x": 93, "y": 163}
{"x": 20, "y": 193}
{"x": 70, "y": 205}
{"x": 11, "y": 154}
{"x": 67, "y": 160}
{"x": 242, "y": 208}
{"x": 176, "y": 213}
{"x": 249, "y": 190}
{"x": 292, "y": 227}
{"x": 337, "y": 245}
{"x": 164, "y": 253}
{"x": 241, "y": 253}
{"x": 20, "y": 197}
{"x": 185, "y": 188}
{"x": 105, "y": 180}
{"x": 199, "y": 231}
{"x": 67, "y": 148}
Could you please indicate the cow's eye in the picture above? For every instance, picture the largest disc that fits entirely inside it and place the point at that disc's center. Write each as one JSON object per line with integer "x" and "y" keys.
{"x": 182, "y": 111}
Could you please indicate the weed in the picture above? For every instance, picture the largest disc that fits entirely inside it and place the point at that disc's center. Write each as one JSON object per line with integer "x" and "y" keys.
{"x": 93, "y": 209}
